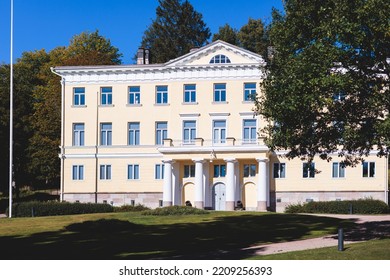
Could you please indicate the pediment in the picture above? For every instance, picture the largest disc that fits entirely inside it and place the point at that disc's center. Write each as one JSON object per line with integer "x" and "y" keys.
{"x": 204, "y": 55}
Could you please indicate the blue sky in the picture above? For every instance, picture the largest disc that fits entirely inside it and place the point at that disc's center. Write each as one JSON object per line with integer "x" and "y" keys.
{"x": 46, "y": 24}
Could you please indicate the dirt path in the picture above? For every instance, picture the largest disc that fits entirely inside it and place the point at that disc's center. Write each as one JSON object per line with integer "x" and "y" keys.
{"x": 369, "y": 227}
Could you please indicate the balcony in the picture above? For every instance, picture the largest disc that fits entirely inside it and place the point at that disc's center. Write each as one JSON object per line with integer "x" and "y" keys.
{"x": 230, "y": 144}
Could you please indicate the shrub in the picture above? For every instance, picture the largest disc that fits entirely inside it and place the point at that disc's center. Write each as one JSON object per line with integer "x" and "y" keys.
{"x": 175, "y": 210}
{"x": 131, "y": 208}
{"x": 361, "y": 206}
{"x": 55, "y": 208}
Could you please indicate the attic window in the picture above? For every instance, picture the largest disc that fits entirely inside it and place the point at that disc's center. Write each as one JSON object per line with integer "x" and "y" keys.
{"x": 220, "y": 58}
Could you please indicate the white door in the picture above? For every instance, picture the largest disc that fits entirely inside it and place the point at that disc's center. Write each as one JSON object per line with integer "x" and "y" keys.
{"x": 219, "y": 197}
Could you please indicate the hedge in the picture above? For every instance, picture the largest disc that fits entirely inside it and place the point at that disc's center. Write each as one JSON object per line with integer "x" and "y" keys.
{"x": 131, "y": 208}
{"x": 361, "y": 206}
{"x": 55, "y": 208}
{"x": 175, "y": 210}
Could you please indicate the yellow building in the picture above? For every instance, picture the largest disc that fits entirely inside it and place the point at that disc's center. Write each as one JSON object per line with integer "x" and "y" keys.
{"x": 185, "y": 131}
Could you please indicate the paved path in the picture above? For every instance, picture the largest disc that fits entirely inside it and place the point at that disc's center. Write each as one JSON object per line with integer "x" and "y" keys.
{"x": 369, "y": 227}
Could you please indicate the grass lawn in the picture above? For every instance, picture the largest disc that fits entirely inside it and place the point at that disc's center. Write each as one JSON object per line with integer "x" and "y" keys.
{"x": 218, "y": 235}
{"x": 368, "y": 250}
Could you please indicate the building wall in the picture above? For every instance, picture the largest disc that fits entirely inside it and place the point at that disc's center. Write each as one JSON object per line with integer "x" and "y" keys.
{"x": 191, "y": 69}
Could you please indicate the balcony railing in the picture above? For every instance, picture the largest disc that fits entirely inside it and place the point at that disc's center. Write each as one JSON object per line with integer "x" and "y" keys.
{"x": 229, "y": 141}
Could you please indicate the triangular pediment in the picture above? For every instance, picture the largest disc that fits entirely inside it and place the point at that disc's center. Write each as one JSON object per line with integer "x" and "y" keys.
{"x": 204, "y": 55}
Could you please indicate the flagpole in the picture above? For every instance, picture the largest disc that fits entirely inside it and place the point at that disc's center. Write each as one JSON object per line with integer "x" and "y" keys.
{"x": 11, "y": 113}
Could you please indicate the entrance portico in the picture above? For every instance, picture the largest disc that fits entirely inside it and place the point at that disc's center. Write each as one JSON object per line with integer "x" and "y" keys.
{"x": 211, "y": 189}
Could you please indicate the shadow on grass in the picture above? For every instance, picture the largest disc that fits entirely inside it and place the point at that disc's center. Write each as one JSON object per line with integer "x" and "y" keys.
{"x": 219, "y": 238}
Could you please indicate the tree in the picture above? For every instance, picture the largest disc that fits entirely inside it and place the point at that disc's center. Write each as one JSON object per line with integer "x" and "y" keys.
{"x": 228, "y": 34}
{"x": 327, "y": 87}
{"x": 253, "y": 36}
{"x": 84, "y": 49}
{"x": 91, "y": 49}
{"x": 176, "y": 30}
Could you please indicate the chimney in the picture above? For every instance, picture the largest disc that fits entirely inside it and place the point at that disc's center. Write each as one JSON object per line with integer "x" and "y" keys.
{"x": 146, "y": 57}
{"x": 143, "y": 56}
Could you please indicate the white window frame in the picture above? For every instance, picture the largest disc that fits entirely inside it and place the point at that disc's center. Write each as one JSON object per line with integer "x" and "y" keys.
{"x": 249, "y": 140}
{"x": 78, "y": 135}
{"x": 191, "y": 93}
{"x": 190, "y": 140}
{"x": 105, "y": 172}
{"x": 133, "y": 172}
{"x": 161, "y": 133}
{"x": 107, "y": 101}
{"x": 159, "y": 171}
{"x": 105, "y": 135}
{"x": 251, "y": 92}
{"x": 191, "y": 171}
{"x": 77, "y": 172}
{"x": 134, "y": 134}
{"x": 161, "y": 95}
{"x": 370, "y": 165}
{"x": 219, "y": 130}
{"x": 80, "y": 97}
{"x": 279, "y": 174}
{"x": 311, "y": 174}
{"x": 218, "y": 93}
{"x": 340, "y": 170}
{"x": 134, "y": 96}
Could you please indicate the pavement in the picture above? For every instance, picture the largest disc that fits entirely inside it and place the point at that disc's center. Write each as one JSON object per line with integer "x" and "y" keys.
{"x": 369, "y": 227}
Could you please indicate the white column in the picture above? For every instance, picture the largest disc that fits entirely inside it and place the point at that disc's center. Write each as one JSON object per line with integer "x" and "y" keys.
{"x": 262, "y": 184}
{"x": 167, "y": 189}
{"x": 199, "y": 197}
{"x": 230, "y": 184}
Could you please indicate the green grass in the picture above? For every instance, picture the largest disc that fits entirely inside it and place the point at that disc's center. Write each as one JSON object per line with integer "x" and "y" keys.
{"x": 368, "y": 250}
{"x": 218, "y": 235}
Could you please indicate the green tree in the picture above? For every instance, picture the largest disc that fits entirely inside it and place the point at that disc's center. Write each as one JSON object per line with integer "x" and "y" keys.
{"x": 327, "y": 87}
{"x": 176, "y": 30}
{"x": 84, "y": 49}
{"x": 228, "y": 34}
{"x": 26, "y": 77}
{"x": 253, "y": 36}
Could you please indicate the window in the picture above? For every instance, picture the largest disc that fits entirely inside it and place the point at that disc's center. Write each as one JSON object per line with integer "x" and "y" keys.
{"x": 79, "y": 96}
{"x": 338, "y": 170}
{"x": 134, "y": 133}
{"x": 106, "y": 96}
{"x": 133, "y": 172}
{"x": 78, "y": 172}
{"x": 134, "y": 95}
{"x": 249, "y": 131}
{"x": 189, "y": 93}
{"x": 249, "y": 91}
{"x": 162, "y": 95}
{"x": 220, "y": 58}
{"x": 159, "y": 171}
{"x": 189, "y": 171}
{"x": 189, "y": 132}
{"x": 249, "y": 170}
{"x": 161, "y": 132}
{"x": 105, "y": 172}
{"x": 78, "y": 134}
{"x": 219, "y": 170}
{"x": 368, "y": 169}
{"x": 106, "y": 134}
{"x": 219, "y": 92}
{"x": 308, "y": 170}
{"x": 219, "y": 132}
{"x": 279, "y": 170}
